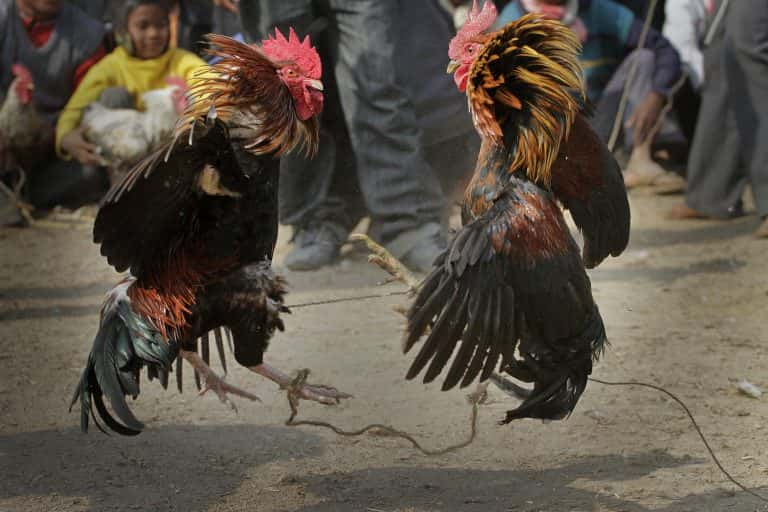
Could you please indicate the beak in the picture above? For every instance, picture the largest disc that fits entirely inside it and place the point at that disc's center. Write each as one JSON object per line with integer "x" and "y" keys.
{"x": 31, "y": 86}
{"x": 315, "y": 84}
{"x": 452, "y": 66}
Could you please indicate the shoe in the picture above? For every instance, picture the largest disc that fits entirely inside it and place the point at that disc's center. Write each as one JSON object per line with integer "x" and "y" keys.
{"x": 684, "y": 212}
{"x": 418, "y": 249}
{"x": 316, "y": 246}
{"x": 762, "y": 230}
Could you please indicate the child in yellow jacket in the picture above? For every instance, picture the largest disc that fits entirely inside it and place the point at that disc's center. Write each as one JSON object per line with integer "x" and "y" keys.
{"x": 142, "y": 62}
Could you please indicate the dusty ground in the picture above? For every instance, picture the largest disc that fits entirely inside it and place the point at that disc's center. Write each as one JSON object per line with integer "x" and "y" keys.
{"x": 685, "y": 308}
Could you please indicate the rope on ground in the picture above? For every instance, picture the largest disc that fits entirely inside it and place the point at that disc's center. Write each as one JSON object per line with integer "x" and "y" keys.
{"x": 695, "y": 426}
{"x": 617, "y": 121}
{"x": 347, "y": 299}
{"x": 294, "y": 389}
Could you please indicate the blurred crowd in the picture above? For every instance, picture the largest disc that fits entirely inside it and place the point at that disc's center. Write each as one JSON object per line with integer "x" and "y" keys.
{"x": 89, "y": 87}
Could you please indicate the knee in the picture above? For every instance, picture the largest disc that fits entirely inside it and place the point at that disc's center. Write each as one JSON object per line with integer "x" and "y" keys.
{"x": 644, "y": 58}
{"x": 117, "y": 97}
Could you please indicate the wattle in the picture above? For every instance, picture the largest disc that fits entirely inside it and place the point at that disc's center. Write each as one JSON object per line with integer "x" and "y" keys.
{"x": 461, "y": 77}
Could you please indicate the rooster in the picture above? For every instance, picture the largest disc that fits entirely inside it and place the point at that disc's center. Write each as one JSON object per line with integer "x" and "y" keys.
{"x": 511, "y": 289}
{"x": 124, "y": 136}
{"x": 196, "y": 224}
{"x": 23, "y": 131}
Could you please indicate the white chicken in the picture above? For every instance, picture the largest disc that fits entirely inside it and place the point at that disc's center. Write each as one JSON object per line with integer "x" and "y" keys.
{"x": 23, "y": 131}
{"x": 124, "y": 136}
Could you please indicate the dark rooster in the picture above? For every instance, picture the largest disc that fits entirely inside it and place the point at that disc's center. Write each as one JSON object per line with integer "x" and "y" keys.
{"x": 512, "y": 288}
{"x": 196, "y": 224}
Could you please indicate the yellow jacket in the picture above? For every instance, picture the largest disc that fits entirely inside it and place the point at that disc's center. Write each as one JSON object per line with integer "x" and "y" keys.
{"x": 118, "y": 69}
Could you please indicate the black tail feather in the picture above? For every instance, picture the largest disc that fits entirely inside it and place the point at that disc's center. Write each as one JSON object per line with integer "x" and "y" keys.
{"x": 113, "y": 369}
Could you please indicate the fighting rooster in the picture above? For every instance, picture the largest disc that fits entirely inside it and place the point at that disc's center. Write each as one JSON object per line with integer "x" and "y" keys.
{"x": 196, "y": 224}
{"x": 512, "y": 280}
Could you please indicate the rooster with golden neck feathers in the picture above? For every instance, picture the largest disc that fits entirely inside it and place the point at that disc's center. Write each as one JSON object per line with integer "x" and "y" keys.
{"x": 196, "y": 225}
{"x": 511, "y": 291}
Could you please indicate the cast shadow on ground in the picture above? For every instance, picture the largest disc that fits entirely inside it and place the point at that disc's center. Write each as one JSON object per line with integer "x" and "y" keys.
{"x": 550, "y": 490}
{"x": 174, "y": 467}
{"x": 712, "y": 231}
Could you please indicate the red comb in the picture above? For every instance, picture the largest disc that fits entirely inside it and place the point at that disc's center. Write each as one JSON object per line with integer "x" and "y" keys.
{"x": 177, "y": 81}
{"x": 21, "y": 71}
{"x": 302, "y": 53}
{"x": 478, "y": 21}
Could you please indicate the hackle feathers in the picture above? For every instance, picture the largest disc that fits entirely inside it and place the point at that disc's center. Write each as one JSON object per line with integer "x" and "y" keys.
{"x": 243, "y": 90}
{"x": 528, "y": 74}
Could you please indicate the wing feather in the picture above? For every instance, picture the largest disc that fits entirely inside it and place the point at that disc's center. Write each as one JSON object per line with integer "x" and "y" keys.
{"x": 512, "y": 278}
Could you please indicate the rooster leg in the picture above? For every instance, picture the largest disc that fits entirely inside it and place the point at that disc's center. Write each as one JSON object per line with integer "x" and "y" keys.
{"x": 213, "y": 382}
{"x": 319, "y": 393}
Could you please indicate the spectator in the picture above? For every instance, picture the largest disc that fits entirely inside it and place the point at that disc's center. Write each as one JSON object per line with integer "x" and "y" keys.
{"x": 684, "y": 27}
{"x": 226, "y": 17}
{"x": 58, "y": 43}
{"x": 729, "y": 149}
{"x": 195, "y": 20}
{"x": 610, "y": 34}
{"x": 370, "y": 130}
{"x": 141, "y": 63}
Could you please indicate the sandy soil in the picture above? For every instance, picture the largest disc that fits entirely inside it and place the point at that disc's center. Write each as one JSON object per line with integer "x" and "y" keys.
{"x": 684, "y": 307}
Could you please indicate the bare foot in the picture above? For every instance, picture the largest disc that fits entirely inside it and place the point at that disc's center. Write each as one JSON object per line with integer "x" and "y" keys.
{"x": 326, "y": 395}
{"x": 215, "y": 383}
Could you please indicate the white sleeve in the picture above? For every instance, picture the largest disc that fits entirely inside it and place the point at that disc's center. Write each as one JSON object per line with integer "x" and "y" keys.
{"x": 684, "y": 27}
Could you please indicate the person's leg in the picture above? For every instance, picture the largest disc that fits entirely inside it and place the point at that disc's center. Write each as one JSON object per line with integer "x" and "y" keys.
{"x": 66, "y": 183}
{"x": 401, "y": 192}
{"x": 608, "y": 105}
{"x": 313, "y": 197}
{"x": 715, "y": 182}
{"x": 746, "y": 65}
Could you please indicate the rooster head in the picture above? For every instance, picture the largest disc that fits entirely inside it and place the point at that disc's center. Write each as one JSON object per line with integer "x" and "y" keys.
{"x": 22, "y": 85}
{"x": 469, "y": 40}
{"x": 178, "y": 93}
{"x": 299, "y": 68}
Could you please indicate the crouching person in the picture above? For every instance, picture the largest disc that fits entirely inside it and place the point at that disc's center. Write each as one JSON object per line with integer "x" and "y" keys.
{"x": 611, "y": 37}
{"x": 46, "y": 47}
{"x": 128, "y": 103}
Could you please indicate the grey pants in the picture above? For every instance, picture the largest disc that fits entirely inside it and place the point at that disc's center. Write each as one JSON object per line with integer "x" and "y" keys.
{"x": 730, "y": 147}
{"x": 608, "y": 105}
{"x": 369, "y": 127}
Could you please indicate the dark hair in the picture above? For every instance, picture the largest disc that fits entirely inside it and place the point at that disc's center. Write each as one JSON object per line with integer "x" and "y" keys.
{"x": 127, "y": 7}
{"x": 124, "y": 13}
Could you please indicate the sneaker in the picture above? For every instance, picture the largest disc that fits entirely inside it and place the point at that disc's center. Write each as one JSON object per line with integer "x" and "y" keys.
{"x": 316, "y": 246}
{"x": 418, "y": 249}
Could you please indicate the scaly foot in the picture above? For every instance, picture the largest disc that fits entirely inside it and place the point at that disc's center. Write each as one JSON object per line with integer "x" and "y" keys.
{"x": 326, "y": 395}
{"x": 212, "y": 382}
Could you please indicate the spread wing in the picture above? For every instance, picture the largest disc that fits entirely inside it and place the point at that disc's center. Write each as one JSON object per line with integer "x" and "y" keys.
{"x": 157, "y": 207}
{"x": 588, "y": 182}
{"x": 511, "y": 279}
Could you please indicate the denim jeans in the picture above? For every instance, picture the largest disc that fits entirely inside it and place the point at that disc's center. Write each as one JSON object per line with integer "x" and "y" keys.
{"x": 372, "y": 157}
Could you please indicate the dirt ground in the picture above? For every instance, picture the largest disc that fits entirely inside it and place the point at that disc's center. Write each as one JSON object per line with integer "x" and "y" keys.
{"x": 685, "y": 308}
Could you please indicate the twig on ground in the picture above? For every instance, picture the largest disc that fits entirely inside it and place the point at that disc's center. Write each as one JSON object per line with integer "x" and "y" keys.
{"x": 383, "y": 258}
